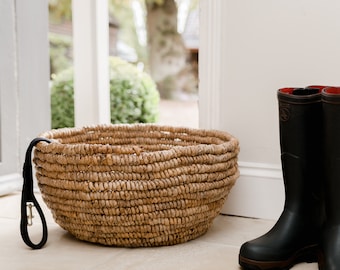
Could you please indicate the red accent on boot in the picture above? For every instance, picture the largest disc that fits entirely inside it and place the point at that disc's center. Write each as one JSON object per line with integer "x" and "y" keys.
{"x": 332, "y": 90}
{"x": 320, "y": 87}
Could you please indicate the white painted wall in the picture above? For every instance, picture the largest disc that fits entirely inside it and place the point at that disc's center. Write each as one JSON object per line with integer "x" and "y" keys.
{"x": 248, "y": 50}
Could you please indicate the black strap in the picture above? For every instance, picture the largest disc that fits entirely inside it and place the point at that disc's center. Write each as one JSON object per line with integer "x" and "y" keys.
{"x": 28, "y": 200}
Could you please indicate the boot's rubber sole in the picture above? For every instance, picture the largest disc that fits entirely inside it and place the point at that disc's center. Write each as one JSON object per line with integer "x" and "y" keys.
{"x": 307, "y": 254}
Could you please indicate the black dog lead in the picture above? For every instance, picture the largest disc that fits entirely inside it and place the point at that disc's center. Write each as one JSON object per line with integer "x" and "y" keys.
{"x": 28, "y": 200}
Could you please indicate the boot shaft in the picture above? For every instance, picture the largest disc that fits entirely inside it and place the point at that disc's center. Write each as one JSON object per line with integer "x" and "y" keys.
{"x": 331, "y": 111}
{"x": 300, "y": 114}
{"x": 301, "y": 131}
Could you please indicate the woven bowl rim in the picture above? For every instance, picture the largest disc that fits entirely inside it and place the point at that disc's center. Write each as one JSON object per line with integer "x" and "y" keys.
{"x": 227, "y": 141}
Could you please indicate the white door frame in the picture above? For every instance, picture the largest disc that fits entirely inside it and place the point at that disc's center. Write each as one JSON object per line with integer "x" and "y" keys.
{"x": 9, "y": 176}
{"x": 24, "y": 79}
{"x": 210, "y": 64}
{"x": 91, "y": 62}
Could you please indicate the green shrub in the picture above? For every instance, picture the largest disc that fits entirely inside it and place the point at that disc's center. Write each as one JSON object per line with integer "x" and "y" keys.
{"x": 60, "y": 52}
{"x": 133, "y": 96}
{"x": 62, "y": 99}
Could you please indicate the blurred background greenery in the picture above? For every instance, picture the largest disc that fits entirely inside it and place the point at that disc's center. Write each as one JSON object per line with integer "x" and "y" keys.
{"x": 156, "y": 40}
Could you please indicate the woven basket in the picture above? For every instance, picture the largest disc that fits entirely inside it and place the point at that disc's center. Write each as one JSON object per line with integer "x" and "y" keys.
{"x": 136, "y": 185}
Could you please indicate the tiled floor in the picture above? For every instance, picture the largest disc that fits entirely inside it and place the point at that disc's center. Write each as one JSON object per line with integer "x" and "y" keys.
{"x": 216, "y": 250}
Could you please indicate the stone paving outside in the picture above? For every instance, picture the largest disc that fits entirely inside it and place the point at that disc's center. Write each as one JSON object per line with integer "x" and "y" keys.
{"x": 179, "y": 113}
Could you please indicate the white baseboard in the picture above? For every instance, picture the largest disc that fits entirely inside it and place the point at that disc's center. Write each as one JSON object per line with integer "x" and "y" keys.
{"x": 10, "y": 183}
{"x": 258, "y": 193}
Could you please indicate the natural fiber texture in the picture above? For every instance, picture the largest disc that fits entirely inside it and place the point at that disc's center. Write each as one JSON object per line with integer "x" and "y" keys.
{"x": 136, "y": 185}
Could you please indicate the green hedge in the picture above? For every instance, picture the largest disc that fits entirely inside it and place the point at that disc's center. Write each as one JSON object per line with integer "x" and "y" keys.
{"x": 134, "y": 97}
{"x": 60, "y": 52}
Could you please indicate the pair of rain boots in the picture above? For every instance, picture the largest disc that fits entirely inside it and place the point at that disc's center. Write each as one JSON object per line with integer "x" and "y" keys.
{"x": 308, "y": 229}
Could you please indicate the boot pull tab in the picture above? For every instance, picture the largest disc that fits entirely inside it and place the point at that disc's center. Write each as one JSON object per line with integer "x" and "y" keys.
{"x": 28, "y": 200}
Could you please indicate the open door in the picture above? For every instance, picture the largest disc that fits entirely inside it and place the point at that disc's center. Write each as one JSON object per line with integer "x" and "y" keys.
{"x": 24, "y": 77}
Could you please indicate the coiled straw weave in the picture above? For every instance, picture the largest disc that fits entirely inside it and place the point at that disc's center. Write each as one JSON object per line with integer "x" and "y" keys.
{"x": 136, "y": 185}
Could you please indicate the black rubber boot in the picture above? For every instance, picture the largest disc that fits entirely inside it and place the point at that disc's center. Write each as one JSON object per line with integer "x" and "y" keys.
{"x": 331, "y": 236}
{"x": 296, "y": 235}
